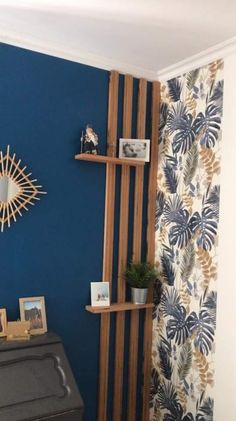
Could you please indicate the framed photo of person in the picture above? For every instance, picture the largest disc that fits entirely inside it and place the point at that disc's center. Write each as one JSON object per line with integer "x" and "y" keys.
{"x": 32, "y": 309}
{"x": 100, "y": 296}
{"x": 3, "y": 322}
{"x": 138, "y": 149}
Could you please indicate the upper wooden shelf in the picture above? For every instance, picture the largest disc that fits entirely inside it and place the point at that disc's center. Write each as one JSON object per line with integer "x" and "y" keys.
{"x": 118, "y": 307}
{"x": 108, "y": 159}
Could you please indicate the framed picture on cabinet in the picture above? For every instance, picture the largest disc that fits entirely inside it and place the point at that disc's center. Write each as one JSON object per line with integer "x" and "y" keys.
{"x": 3, "y": 322}
{"x": 32, "y": 309}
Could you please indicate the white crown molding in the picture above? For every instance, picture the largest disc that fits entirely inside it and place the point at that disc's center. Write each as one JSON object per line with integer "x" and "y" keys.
{"x": 82, "y": 57}
{"x": 221, "y": 50}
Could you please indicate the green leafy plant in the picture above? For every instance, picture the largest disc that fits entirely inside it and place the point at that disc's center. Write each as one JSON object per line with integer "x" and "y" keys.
{"x": 139, "y": 275}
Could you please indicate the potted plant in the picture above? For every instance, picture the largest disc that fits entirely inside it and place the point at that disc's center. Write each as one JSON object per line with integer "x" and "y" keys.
{"x": 138, "y": 276}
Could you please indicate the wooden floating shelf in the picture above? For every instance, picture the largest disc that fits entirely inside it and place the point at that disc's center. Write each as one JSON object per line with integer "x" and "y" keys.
{"x": 118, "y": 307}
{"x": 102, "y": 159}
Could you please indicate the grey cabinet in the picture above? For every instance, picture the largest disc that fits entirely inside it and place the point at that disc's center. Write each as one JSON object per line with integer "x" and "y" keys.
{"x": 36, "y": 381}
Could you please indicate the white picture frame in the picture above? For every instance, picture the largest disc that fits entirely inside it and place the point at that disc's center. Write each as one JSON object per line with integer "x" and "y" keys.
{"x": 33, "y": 309}
{"x": 100, "y": 294}
{"x": 134, "y": 149}
{"x": 3, "y": 322}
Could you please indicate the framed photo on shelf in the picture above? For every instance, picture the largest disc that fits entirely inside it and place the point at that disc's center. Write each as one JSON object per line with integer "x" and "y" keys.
{"x": 138, "y": 149}
{"x": 32, "y": 309}
{"x": 100, "y": 294}
{"x": 3, "y": 322}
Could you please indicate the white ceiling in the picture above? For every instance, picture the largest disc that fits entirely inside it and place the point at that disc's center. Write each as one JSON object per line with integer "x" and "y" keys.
{"x": 139, "y": 36}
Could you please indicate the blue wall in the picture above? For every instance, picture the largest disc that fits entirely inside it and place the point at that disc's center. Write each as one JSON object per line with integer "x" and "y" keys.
{"x": 55, "y": 249}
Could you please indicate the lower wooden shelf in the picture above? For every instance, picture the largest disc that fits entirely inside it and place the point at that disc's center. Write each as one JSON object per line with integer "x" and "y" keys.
{"x": 118, "y": 307}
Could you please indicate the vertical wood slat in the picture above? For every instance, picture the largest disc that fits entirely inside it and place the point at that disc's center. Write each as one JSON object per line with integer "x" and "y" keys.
{"x": 108, "y": 243}
{"x": 142, "y": 106}
{"x": 122, "y": 256}
{"x": 107, "y": 276}
{"x": 112, "y": 113}
{"x": 152, "y": 185}
{"x": 127, "y": 108}
{"x": 120, "y": 317}
{"x": 152, "y": 188}
{"x": 137, "y": 247}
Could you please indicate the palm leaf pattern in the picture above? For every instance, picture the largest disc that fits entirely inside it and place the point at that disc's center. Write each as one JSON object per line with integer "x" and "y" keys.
{"x": 175, "y": 116}
{"x": 154, "y": 385}
{"x": 185, "y": 360}
{"x": 168, "y": 273}
{"x": 191, "y": 164}
{"x": 186, "y": 134}
{"x": 171, "y": 178}
{"x": 177, "y": 327}
{"x": 172, "y": 209}
{"x": 160, "y": 202}
{"x": 182, "y": 231}
{"x": 174, "y": 89}
{"x": 207, "y": 225}
{"x": 191, "y": 78}
{"x": 167, "y": 396}
{"x": 187, "y": 220}
{"x": 210, "y": 305}
{"x": 165, "y": 362}
{"x": 170, "y": 300}
{"x": 204, "y": 330}
{"x": 216, "y": 95}
{"x": 163, "y": 118}
{"x": 187, "y": 263}
{"x": 212, "y": 200}
{"x": 178, "y": 414}
{"x": 205, "y": 412}
{"x": 210, "y": 122}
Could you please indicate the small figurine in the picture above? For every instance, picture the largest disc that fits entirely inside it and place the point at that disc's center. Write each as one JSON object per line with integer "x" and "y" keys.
{"x": 89, "y": 141}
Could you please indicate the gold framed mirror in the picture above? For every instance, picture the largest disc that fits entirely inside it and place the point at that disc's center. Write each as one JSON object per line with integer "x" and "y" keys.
{"x": 17, "y": 189}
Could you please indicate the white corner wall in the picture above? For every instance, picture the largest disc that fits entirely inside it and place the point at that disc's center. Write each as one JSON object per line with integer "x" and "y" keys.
{"x": 225, "y": 380}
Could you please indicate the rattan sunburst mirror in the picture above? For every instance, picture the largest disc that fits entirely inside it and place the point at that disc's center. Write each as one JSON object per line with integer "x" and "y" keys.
{"x": 17, "y": 189}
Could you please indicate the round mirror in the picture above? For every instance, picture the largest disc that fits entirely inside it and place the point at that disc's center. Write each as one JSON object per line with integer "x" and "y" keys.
{"x": 17, "y": 189}
{"x": 8, "y": 189}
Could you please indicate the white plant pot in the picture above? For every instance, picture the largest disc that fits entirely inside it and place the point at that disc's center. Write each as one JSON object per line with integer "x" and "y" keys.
{"x": 139, "y": 295}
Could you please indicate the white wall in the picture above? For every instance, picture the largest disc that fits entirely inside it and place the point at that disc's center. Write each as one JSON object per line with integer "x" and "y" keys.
{"x": 225, "y": 387}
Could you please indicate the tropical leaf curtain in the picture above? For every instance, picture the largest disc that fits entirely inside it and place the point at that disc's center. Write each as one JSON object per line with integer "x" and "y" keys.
{"x": 187, "y": 216}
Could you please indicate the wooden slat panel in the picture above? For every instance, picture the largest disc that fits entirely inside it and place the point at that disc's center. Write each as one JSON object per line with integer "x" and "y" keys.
{"x": 123, "y": 233}
{"x": 122, "y": 256}
{"x": 120, "y": 318}
{"x": 108, "y": 243}
{"x": 112, "y": 113}
{"x": 127, "y": 108}
{"x": 109, "y": 223}
{"x": 152, "y": 188}
{"x": 142, "y": 105}
{"x": 137, "y": 247}
{"x": 147, "y": 363}
{"x": 104, "y": 366}
{"x": 138, "y": 213}
{"x": 107, "y": 276}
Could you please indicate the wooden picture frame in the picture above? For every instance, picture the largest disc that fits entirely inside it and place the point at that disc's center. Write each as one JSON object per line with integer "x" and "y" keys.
{"x": 33, "y": 309}
{"x": 136, "y": 149}
{"x": 3, "y": 322}
{"x": 100, "y": 294}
